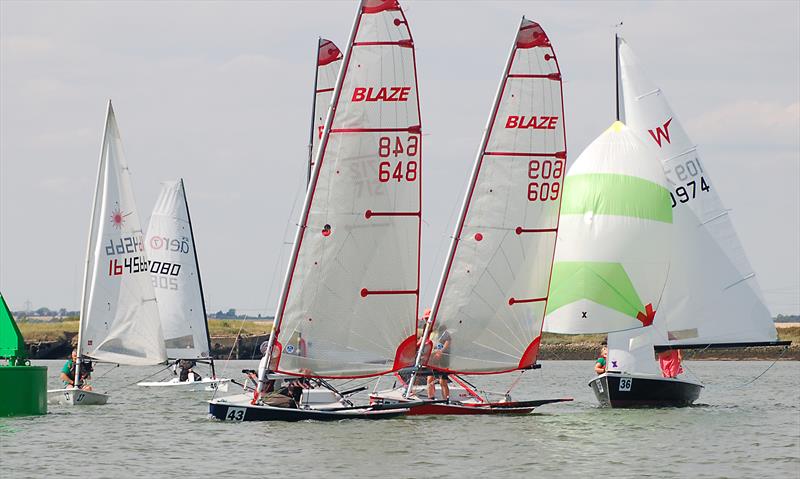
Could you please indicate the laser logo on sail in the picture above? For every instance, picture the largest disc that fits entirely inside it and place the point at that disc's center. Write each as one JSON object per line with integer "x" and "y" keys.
{"x": 118, "y": 217}
{"x": 391, "y": 93}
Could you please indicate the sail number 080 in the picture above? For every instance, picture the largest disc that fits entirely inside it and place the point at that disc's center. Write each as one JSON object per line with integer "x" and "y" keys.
{"x": 401, "y": 170}
{"x": 549, "y": 174}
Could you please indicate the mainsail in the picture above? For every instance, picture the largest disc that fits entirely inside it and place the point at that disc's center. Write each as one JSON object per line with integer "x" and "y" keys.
{"x": 176, "y": 276}
{"x": 350, "y": 296}
{"x": 613, "y": 251}
{"x": 119, "y": 316}
{"x": 329, "y": 62}
{"x": 712, "y": 295}
{"x": 493, "y": 290}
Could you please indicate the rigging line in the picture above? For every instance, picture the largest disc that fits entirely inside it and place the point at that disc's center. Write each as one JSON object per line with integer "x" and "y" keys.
{"x": 107, "y": 371}
{"x": 514, "y": 384}
{"x": 147, "y": 377}
{"x": 694, "y": 354}
{"x": 785, "y": 348}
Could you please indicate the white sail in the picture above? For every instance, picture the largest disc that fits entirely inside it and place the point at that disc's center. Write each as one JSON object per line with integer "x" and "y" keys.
{"x": 350, "y": 298}
{"x": 632, "y": 351}
{"x": 712, "y": 295}
{"x": 494, "y": 288}
{"x": 329, "y": 62}
{"x": 119, "y": 316}
{"x": 613, "y": 251}
{"x": 175, "y": 275}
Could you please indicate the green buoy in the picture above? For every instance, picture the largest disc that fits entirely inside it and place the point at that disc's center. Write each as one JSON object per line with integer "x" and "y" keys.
{"x": 25, "y": 386}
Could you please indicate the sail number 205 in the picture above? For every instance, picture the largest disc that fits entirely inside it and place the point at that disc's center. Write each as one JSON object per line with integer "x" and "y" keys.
{"x": 547, "y": 174}
{"x": 398, "y": 164}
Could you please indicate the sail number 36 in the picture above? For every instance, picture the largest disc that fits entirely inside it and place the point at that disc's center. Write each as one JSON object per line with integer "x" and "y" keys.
{"x": 396, "y": 167}
{"x": 547, "y": 174}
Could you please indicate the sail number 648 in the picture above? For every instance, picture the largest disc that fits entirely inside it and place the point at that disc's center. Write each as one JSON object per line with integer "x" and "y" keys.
{"x": 548, "y": 174}
{"x": 392, "y": 149}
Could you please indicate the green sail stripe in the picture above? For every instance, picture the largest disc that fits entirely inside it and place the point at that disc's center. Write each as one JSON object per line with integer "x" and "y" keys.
{"x": 604, "y": 283}
{"x": 616, "y": 195}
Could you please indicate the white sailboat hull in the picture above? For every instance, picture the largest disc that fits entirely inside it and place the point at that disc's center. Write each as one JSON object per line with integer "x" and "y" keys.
{"x": 76, "y": 397}
{"x": 205, "y": 384}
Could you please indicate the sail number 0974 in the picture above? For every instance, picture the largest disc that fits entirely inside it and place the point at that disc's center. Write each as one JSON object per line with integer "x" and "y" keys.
{"x": 548, "y": 174}
{"x": 392, "y": 149}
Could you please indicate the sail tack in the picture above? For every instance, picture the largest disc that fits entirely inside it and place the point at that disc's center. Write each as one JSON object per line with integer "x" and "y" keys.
{"x": 494, "y": 288}
{"x": 613, "y": 251}
{"x": 712, "y": 295}
{"x": 119, "y": 315}
{"x": 175, "y": 276}
{"x": 350, "y": 298}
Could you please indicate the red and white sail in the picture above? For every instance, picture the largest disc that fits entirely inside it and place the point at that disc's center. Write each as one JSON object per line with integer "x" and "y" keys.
{"x": 712, "y": 295}
{"x": 350, "y": 298}
{"x": 119, "y": 316}
{"x": 329, "y": 62}
{"x": 493, "y": 291}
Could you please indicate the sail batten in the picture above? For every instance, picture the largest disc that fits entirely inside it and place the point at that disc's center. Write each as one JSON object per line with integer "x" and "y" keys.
{"x": 352, "y": 287}
{"x": 487, "y": 313}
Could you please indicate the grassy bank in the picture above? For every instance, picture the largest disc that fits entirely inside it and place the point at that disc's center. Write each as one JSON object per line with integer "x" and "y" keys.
{"x": 35, "y": 331}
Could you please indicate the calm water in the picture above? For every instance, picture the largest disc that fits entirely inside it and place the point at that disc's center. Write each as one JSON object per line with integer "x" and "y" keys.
{"x": 736, "y": 431}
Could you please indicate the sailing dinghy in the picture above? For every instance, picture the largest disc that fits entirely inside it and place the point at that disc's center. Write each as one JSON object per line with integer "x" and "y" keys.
{"x": 119, "y": 320}
{"x": 349, "y": 300}
{"x": 494, "y": 288}
{"x": 175, "y": 273}
{"x": 712, "y": 298}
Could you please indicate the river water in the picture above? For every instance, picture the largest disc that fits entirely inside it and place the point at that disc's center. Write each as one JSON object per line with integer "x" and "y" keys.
{"x": 735, "y": 430}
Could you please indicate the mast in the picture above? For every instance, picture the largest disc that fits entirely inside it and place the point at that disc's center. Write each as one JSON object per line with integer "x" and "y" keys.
{"x": 276, "y": 326}
{"x": 90, "y": 242}
{"x": 616, "y": 73}
{"x": 199, "y": 280}
{"x": 313, "y": 113}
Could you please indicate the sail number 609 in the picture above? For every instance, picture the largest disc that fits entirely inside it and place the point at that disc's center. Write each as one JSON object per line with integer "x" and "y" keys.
{"x": 392, "y": 149}
{"x": 548, "y": 174}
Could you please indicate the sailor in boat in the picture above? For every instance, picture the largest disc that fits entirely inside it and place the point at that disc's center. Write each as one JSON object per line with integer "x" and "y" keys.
{"x": 270, "y": 392}
{"x": 670, "y": 363}
{"x": 600, "y": 364}
{"x": 68, "y": 372}
{"x": 440, "y": 358}
{"x": 186, "y": 366}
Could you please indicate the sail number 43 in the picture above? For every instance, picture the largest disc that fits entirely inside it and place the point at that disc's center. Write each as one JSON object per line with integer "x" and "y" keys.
{"x": 235, "y": 414}
{"x": 397, "y": 167}
{"x": 547, "y": 174}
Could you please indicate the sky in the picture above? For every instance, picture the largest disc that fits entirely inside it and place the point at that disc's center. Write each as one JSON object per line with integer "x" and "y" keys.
{"x": 219, "y": 93}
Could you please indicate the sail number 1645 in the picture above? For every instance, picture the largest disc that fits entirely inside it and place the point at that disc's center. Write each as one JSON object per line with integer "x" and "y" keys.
{"x": 547, "y": 174}
{"x": 397, "y": 165}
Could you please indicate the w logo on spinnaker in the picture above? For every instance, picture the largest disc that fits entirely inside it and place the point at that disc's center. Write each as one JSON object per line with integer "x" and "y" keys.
{"x": 658, "y": 134}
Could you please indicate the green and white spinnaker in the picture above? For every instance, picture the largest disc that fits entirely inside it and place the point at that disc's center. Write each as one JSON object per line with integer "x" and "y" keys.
{"x": 613, "y": 248}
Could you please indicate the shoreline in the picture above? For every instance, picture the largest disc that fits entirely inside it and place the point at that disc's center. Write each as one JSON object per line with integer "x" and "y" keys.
{"x": 224, "y": 347}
